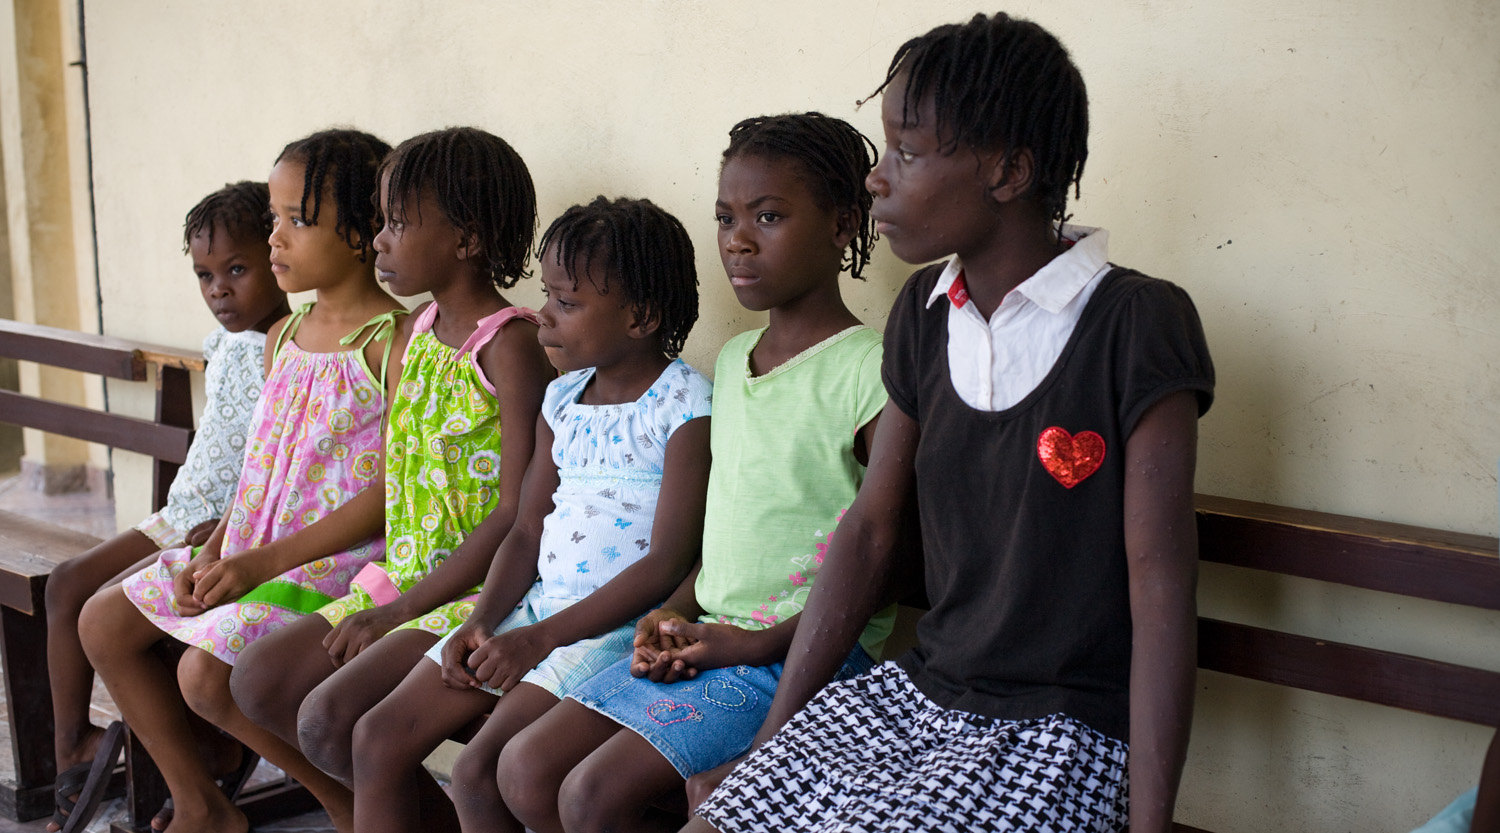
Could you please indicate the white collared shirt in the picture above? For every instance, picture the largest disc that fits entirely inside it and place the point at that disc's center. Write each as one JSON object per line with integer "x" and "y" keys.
{"x": 994, "y": 364}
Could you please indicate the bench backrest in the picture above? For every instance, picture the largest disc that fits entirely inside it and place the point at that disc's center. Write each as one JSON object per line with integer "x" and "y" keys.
{"x": 166, "y": 438}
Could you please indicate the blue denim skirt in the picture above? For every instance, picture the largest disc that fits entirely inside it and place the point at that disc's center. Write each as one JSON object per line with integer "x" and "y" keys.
{"x": 700, "y": 723}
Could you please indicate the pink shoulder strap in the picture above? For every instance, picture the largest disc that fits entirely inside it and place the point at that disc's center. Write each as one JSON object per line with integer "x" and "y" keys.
{"x": 488, "y": 326}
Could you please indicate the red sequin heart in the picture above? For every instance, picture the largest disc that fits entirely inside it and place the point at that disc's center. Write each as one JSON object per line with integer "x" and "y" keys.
{"x": 1069, "y": 459}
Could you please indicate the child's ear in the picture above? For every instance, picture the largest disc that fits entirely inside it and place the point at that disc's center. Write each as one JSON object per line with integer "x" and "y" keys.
{"x": 468, "y": 245}
{"x": 846, "y": 227}
{"x": 1011, "y": 178}
{"x": 644, "y": 325}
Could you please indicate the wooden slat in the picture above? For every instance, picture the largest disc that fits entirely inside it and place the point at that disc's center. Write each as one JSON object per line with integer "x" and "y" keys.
{"x": 164, "y": 442}
{"x": 1413, "y": 561}
{"x": 1390, "y": 679}
{"x": 117, "y": 358}
{"x": 29, "y": 549}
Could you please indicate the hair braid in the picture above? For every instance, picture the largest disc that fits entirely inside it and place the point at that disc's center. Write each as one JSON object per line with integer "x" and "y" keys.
{"x": 353, "y": 158}
{"x": 239, "y": 208}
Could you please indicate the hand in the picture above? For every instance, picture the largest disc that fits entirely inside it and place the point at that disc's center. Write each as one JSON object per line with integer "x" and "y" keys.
{"x": 228, "y": 579}
{"x": 185, "y": 582}
{"x": 465, "y": 641}
{"x": 651, "y": 643}
{"x": 702, "y": 785}
{"x": 713, "y": 646}
{"x": 359, "y": 631}
{"x": 505, "y": 658}
{"x": 198, "y": 535}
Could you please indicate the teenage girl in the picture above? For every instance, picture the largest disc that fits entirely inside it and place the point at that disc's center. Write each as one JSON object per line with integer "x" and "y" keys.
{"x": 314, "y": 449}
{"x": 795, "y": 407}
{"x": 460, "y": 216}
{"x": 225, "y": 234}
{"x": 611, "y": 515}
{"x": 1043, "y": 417}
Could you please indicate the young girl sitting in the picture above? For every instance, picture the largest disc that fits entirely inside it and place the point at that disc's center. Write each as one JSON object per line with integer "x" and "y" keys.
{"x": 225, "y": 234}
{"x": 611, "y": 514}
{"x": 1043, "y": 416}
{"x": 795, "y": 406}
{"x": 460, "y": 214}
{"x": 315, "y": 448}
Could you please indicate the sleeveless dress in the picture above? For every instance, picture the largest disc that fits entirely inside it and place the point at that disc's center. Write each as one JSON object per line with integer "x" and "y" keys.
{"x": 442, "y": 464}
{"x": 314, "y": 444}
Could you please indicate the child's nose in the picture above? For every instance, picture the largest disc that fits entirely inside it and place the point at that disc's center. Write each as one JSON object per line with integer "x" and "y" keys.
{"x": 737, "y": 240}
{"x": 875, "y": 181}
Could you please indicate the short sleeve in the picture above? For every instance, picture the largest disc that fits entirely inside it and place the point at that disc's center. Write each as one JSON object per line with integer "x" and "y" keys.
{"x": 684, "y": 395}
{"x": 1162, "y": 349}
{"x": 562, "y": 392}
{"x": 901, "y": 365}
{"x": 869, "y": 389}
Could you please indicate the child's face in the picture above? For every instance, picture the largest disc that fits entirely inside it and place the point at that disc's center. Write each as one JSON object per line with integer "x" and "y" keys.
{"x": 305, "y": 256}
{"x": 418, "y": 248}
{"x": 928, "y": 204}
{"x": 777, "y": 242}
{"x": 579, "y": 326}
{"x": 235, "y": 278}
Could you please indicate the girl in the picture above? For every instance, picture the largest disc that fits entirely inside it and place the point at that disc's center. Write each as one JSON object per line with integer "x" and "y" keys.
{"x": 314, "y": 449}
{"x": 1043, "y": 416}
{"x": 611, "y": 514}
{"x": 460, "y": 214}
{"x": 795, "y": 408}
{"x": 225, "y": 234}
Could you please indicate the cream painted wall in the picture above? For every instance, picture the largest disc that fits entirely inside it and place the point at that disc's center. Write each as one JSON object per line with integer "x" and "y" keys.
{"x": 1317, "y": 173}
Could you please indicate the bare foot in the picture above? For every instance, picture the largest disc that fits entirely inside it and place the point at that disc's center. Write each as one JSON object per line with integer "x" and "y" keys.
{"x": 82, "y": 750}
{"x": 219, "y": 816}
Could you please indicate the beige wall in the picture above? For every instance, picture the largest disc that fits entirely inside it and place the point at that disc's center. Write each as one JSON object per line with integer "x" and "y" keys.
{"x": 1320, "y": 175}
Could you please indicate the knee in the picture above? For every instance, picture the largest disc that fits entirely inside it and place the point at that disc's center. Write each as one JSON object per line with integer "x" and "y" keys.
{"x": 326, "y": 734}
{"x": 256, "y": 686}
{"x": 375, "y": 748}
{"x": 67, "y": 589}
{"x": 588, "y": 802}
{"x": 474, "y": 775}
{"x": 99, "y": 628}
{"x": 204, "y": 681}
{"x": 529, "y": 790}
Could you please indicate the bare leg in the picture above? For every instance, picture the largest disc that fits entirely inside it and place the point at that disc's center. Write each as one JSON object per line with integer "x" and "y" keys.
{"x": 698, "y": 825}
{"x": 615, "y": 787}
{"x": 533, "y": 766}
{"x": 391, "y": 788}
{"x": 1487, "y": 803}
{"x": 204, "y": 679}
{"x": 274, "y": 674}
{"x": 71, "y": 584}
{"x": 325, "y": 724}
{"x": 118, "y": 641}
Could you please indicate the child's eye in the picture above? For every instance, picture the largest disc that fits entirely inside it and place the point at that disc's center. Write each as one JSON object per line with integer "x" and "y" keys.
{"x": 236, "y": 270}
{"x": 724, "y": 219}
{"x": 204, "y": 276}
{"x": 906, "y": 155}
{"x": 767, "y": 217}
{"x": 298, "y": 222}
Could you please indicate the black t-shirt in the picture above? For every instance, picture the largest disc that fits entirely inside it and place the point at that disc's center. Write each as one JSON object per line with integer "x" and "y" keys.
{"x": 1022, "y": 510}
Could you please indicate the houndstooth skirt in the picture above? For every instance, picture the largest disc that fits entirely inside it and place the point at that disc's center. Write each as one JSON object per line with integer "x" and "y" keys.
{"x": 875, "y": 754}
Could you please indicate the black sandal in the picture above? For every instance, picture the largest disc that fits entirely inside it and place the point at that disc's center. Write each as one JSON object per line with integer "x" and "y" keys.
{"x": 86, "y": 803}
{"x": 65, "y": 791}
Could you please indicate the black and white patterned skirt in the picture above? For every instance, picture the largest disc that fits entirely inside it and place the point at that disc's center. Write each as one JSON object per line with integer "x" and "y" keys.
{"x": 875, "y": 754}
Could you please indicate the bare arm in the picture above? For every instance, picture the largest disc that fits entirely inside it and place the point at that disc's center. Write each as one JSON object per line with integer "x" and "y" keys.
{"x": 852, "y": 583}
{"x": 1161, "y": 546}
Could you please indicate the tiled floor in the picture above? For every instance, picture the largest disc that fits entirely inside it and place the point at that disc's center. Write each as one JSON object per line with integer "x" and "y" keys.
{"x": 95, "y": 514}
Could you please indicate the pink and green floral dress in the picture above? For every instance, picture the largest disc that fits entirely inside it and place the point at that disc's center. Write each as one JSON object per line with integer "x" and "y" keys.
{"x": 314, "y": 443}
{"x": 442, "y": 469}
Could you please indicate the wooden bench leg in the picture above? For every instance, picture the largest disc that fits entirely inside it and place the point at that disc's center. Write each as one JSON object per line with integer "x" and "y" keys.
{"x": 28, "y": 702}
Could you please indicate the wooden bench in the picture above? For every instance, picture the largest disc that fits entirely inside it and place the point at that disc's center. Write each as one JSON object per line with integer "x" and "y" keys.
{"x": 29, "y": 549}
{"x": 1405, "y": 560}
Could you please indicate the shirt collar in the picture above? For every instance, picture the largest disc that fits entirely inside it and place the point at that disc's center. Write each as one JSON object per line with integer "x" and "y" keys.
{"x": 1053, "y": 286}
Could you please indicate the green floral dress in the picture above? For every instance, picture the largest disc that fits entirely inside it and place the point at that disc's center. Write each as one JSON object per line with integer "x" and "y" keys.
{"x": 442, "y": 459}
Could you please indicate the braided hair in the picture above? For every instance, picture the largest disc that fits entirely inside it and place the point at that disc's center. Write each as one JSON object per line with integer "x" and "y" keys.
{"x": 642, "y": 248}
{"x": 239, "y": 208}
{"x": 835, "y": 157}
{"x": 481, "y": 184}
{"x": 352, "y": 157}
{"x": 1000, "y": 83}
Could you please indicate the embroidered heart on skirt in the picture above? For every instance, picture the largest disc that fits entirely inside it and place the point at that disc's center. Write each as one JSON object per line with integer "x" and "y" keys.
{"x": 667, "y": 712}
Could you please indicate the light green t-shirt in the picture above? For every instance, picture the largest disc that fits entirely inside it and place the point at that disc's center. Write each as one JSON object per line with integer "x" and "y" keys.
{"x": 783, "y": 474}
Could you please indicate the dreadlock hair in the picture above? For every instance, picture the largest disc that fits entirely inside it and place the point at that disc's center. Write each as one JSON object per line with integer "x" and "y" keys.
{"x": 642, "y": 248}
{"x": 239, "y": 208}
{"x": 835, "y": 157}
{"x": 482, "y": 186}
{"x": 352, "y": 157}
{"x": 1002, "y": 83}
